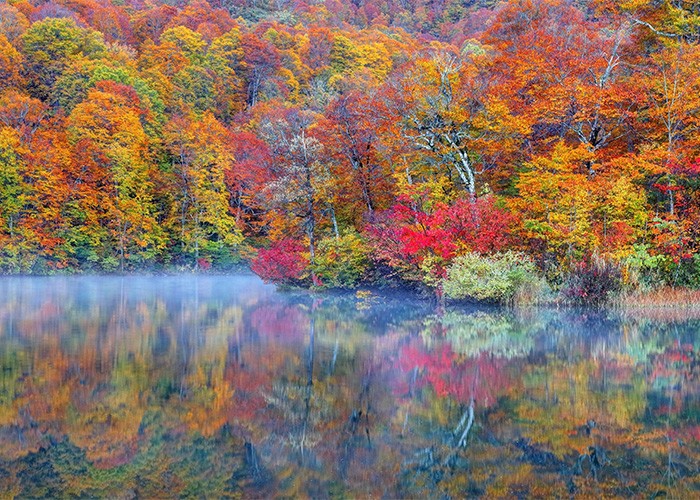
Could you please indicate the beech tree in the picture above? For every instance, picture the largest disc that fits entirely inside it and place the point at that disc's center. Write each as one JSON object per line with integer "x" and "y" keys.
{"x": 10, "y": 65}
{"x": 261, "y": 62}
{"x": 297, "y": 191}
{"x": 351, "y": 135}
{"x": 109, "y": 120}
{"x": 50, "y": 45}
{"x": 201, "y": 157}
{"x": 449, "y": 124}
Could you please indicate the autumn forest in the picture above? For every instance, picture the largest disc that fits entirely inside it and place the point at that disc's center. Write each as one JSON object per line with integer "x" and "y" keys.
{"x": 550, "y": 146}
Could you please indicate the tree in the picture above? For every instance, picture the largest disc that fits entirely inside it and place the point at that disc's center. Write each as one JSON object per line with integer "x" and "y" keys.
{"x": 109, "y": 121}
{"x": 199, "y": 16}
{"x": 10, "y": 65}
{"x": 112, "y": 21}
{"x": 566, "y": 75}
{"x": 250, "y": 170}
{"x": 50, "y": 45}
{"x": 557, "y": 203}
{"x": 261, "y": 63}
{"x": 149, "y": 24}
{"x": 31, "y": 192}
{"x": 296, "y": 190}
{"x": 14, "y": 192}
{"x": 201, "y": 158}
{"x": 446, "y": 121}
{"x": 12, "y": 22}
{"x": 672, "y": 85}
{"x": 225, "y": 60}
{"x": 21, "y": 112}
{"x": 358, "y": 64}
{"x": 350, "y": 133}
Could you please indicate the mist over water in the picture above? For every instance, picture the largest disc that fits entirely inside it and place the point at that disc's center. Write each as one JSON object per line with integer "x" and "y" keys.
{"x": 222, "y": 387}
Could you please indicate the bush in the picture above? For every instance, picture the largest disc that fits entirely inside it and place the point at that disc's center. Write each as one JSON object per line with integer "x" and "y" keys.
{"x": 342, "y": 262}
{"x": 495, "y": 278}
{"x": 284, "y": 263}
{"x": 592, "y": 281}
{"x": 643, "y": 271}
{"x": 646, "y": 272}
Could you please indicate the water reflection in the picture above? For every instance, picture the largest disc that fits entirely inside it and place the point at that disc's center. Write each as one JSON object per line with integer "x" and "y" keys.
{"x": 219, "y": 387}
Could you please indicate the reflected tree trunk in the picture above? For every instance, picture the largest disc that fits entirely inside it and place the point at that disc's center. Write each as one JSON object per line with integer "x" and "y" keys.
{"x": 335, "y": 356}
{"x": 309, "y": 384}
{"x": 183, "y": 347}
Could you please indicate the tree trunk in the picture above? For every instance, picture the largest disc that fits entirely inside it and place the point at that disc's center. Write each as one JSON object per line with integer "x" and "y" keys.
{"x": 335, "y": 222}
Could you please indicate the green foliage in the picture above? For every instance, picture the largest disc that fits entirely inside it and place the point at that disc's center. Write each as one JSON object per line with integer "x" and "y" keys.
{"x": 496, "y": 278}
{"x": 225, "y": 52}
{"x": 72, "y": 85}
{"x": 150, "y": 98}
{"x": 51, "y": 45}
{"x": 687, "y": 272}
{"x": 342, "y": 262}
{"x": 642, "y": 270}
{"x": 53, "y": 40}
{"x": 12, "y": 195}
{"x": 343, "y": 54}
{"x": 645, "y": 272}
{"x": 80, "y": 76}
{"x": 195, "y": 88}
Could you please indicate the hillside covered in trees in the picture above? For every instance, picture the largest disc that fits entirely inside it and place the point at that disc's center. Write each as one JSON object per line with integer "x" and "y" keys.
{"x": 427, "y": 144}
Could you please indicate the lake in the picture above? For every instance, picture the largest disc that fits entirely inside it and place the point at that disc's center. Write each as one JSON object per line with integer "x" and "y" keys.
{"x": 221, "y": 387}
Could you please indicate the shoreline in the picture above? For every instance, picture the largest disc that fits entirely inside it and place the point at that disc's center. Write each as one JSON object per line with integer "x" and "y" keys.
{"x": 665, "y": 298}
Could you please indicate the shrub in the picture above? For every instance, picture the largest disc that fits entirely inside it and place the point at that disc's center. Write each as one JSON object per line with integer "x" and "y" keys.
{"x": 342, "y": 262}
{"x": 641, "y": 270}
{"x": 645, "y": 272}
{"x": 591, "y": 281}
{"x": 495, "y": 278}
{"x": 284, "y": 263}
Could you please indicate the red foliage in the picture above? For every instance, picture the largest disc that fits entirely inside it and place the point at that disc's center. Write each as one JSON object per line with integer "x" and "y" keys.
{"x": 199, "y": 16}
{"x": 317, "y": 53}
{"x": 262, "y": 61}
{"x": 412, "y": 233}
{"x": 481, "y": 225}
{"x": 126, "y": 92}
{"x": 423, "y": 234}
{"x": 282, "y": 263}
{"x": 689, "y": 169}
{"x": 112, "y": 22}
{"x": 618, "y": 235}
{"x": 249, "y": 173}
{"x": 150, "y": 24}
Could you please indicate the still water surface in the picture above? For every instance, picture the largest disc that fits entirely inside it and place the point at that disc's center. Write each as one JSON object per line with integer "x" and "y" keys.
{"x": 220, "y": 387}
